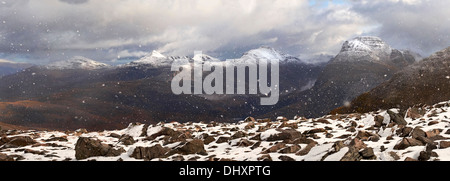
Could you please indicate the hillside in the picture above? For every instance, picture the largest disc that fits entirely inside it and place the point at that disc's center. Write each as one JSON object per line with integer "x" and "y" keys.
{"x": 424, "y": 82}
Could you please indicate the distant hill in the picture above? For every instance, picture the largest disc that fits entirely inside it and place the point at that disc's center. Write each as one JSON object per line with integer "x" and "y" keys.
{"x": 425, "y": 82}
{"x": 9, "y": 67}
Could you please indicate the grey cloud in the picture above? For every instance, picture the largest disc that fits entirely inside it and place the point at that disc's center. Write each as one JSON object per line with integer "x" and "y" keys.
{"x": 74, "y": 1}
{"x": 49, "y": 30}
{"x": 419, "y": 25}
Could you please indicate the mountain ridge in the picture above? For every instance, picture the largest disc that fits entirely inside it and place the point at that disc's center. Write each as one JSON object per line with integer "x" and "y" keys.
{"x": 77, "y": 62}
{"x": 423, "y": 82}
{"x": 349, "y": 74}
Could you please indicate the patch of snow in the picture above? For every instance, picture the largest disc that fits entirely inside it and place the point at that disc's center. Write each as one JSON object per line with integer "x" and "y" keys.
{"x": 134, "y": 130}
{"x": 368, "y": 121}
{"x": 153, "y": 130}
{"x": 337, "y": 156}
{"x": 385, "y": 132}
{"x": 268, "y": 133}
{"x": 317, "y": 152}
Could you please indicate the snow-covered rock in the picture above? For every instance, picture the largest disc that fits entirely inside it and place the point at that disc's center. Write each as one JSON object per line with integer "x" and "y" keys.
{"x": 341, "y": 137}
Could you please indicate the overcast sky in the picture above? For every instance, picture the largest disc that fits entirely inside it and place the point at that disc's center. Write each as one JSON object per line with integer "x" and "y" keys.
{"x": 115, "y": 31}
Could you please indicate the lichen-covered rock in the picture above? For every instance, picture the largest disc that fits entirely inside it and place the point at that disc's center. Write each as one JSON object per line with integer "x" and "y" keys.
{"x": 352, "y": 155}
{"x": 149, "y": 153}
{"x": 285, "y": 134}
{"x": 397, "y": 118}
{"x": 127, "y": 140}
{"x": 195, "y": 146}
{"x": 17, "y": 141}
{"x": 89, "y": 147}
{"x": 5, "y": 158}
{"x": 407, "y": 142}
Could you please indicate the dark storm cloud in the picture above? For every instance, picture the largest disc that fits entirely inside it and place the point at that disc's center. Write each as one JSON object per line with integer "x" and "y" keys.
{"x": 106, "y": 30}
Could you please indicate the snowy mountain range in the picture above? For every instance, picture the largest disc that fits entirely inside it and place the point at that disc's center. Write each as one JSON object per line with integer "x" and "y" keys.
{"x": 109, "y": 98}
{"x": 157, "y": 60}
{"x": 78, "y": 62}
{"x": 366, "y": 48}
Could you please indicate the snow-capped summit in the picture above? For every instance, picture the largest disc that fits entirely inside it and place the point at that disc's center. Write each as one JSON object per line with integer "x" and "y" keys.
{"x": 154, "y": 59}
{"x": 367, "y": 48}
{"x": 156, "y": 54}
{"x": 204, "y": 58}
{"x": 78, "y": 62}
{"x": 264, "y": 52}
{"x": 366, "y": 44}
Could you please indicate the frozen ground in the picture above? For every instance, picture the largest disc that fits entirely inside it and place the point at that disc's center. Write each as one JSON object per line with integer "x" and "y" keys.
{"x": 374, "y": 136}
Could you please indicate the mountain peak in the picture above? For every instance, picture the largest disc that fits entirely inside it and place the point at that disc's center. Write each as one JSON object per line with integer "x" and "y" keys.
{"x": 154, "y": 59}
{"x": 366, "y": 43}
{"x": 203, "y": 57}
{"x": 265, "y": 52}
{"x": 156, "y": 54}
{"x": 78, "y": 62}
{"x": 364, "y": 48}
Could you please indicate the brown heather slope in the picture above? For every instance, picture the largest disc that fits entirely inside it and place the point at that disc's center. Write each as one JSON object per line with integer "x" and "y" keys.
{"x": 4, "y": 126}
{"x": 425, "y": 82}
{"x": 41, "y": 115}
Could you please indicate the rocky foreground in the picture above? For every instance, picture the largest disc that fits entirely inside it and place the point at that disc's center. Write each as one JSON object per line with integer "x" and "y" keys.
{"x": 422, "y": 133}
